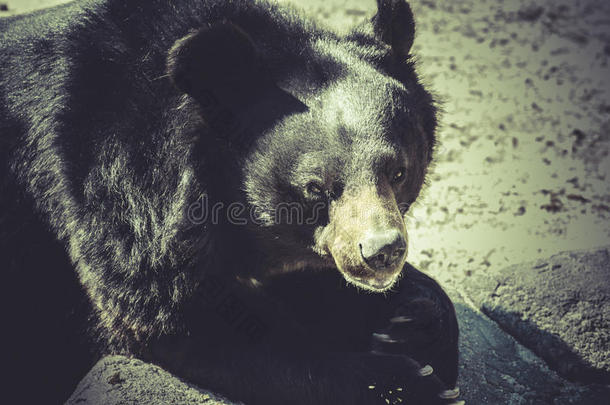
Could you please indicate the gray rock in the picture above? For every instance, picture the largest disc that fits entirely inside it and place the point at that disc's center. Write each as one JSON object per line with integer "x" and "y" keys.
{"x": 496, "y": 369}
{"x": 559, "y": 308}
{"x": 118, "y": 380}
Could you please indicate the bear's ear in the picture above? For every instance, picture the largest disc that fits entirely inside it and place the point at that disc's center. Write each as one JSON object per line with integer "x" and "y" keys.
{"x": 220, "y": 59}
{"x": 394, "y": 25}
{"x": 220, "y": 67}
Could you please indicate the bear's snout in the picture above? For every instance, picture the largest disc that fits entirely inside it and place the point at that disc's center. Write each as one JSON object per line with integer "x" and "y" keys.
{"x": 383, "y": 249}
{"x": 366, "y": 237}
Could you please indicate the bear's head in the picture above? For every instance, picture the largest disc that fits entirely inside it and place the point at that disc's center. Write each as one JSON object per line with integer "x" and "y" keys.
{"x": 338, "y": 135}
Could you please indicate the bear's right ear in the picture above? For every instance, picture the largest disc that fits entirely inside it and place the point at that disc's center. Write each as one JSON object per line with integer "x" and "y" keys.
{"x": 220, "y": 59}
{"x": 394, "y": 25}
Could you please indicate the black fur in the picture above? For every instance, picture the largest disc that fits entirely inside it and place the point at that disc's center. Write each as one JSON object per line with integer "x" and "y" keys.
{"x": 118, "y": 117}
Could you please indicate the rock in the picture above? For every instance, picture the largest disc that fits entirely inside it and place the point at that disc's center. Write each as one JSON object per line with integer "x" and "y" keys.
{"x": 120, "y": 380}
{"x": 496, "y": 369}
{"x": 559, "y": 308}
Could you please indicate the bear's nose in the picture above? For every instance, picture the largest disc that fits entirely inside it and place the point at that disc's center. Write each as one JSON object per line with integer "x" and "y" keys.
{"x": 381, "y": 250}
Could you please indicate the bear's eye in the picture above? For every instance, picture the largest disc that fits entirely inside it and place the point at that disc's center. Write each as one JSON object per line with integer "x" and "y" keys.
{"x": 315, "y": 189}
{"x": 404, "y": 207}
{"x": 399, "y": 175}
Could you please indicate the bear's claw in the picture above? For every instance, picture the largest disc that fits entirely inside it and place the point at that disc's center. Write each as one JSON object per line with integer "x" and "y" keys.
{"x": 401, "y": 319}
{"x": 450, "y": 394}
{"x": 426, "y": 371}
{"x": 385, "y": 338}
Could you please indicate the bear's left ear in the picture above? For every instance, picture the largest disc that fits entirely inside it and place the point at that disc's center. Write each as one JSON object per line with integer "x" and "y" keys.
{"x": 394, "y": 25}
{"x": 219, "y": 60}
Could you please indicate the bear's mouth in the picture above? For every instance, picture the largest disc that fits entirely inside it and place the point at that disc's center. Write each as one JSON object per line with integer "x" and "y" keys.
{"x": 361, "y": 275}
{"x": 376, "y": 284}
{"x": 372, "y": 274}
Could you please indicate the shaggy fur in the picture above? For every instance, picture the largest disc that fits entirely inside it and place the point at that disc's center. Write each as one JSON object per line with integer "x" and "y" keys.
{"x": 118, "y": 117}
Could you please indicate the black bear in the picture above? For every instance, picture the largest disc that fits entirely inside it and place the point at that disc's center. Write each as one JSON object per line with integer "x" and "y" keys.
{"x": 229, "y": 181}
